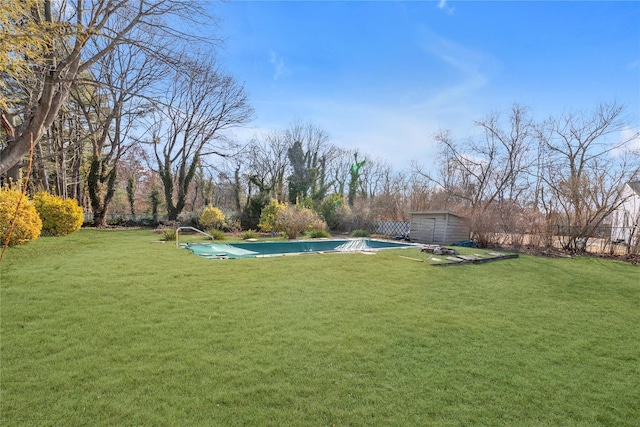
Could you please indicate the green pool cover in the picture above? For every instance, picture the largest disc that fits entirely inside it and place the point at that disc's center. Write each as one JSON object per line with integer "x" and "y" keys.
{"x": 264, "y": 249}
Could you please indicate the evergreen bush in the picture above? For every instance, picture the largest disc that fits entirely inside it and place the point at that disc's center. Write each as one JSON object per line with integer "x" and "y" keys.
{"x": 27, "y": 225}
{"x": 318, "y": 234}
{"x": 59, "y": 216}
{"x": 360, "y": 233}
{"x": 332, "y": 209}
{"x": 318, "y": 229}
{"x": 250, "y": 234}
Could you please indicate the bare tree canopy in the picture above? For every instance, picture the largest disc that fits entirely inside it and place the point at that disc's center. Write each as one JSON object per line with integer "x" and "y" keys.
{"x": 491, "y": 167}
{"x": 113, "y": 103}
{"x": 584, "y": 163}
{"x": 560, "y": 179}
{"x": 483, "y": 175}
{"x": 201, "y": 104}
{"x": 92, "y": 29}
{"x": 268, "y": 162}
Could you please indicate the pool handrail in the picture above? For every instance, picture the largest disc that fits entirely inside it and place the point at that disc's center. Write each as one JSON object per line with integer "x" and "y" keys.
{"x": 190, "y": 228}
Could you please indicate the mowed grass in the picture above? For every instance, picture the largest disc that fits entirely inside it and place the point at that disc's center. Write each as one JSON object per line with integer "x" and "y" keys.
{"x": 103, "y": 328}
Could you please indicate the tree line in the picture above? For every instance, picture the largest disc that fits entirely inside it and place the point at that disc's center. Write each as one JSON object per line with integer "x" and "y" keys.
{"x": 560, "y": 178}
{"x": 129, "y": 109}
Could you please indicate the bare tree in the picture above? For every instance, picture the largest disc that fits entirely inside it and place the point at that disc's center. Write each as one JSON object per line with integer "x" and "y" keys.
{"x": 201, "y": 104}
{"x": 488, "y": 173}
{"x": 113, "y": 103}
{"x": 134, "y": 177}
{"x": 391, "y": 200}
{"x": 421, "y": 192}
{"x": 93, "y": 29}
{"x": 268, "y": 162}
{"x": 584, "y": 166}
{"x": 376, "y": 178}
{"x": 339, "y": 170}
{"x": 59, "y": 157}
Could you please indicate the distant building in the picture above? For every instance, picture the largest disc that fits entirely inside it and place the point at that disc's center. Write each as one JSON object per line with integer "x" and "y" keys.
{"x": 438, "y": 227}
{"x": 625, "y": 219}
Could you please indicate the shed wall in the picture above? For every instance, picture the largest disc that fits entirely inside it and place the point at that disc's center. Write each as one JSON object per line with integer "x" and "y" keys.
{"x": 438, "y": 228}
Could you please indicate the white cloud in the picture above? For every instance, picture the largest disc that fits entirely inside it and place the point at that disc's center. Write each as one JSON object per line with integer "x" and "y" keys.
{"x": 397, "y": 136}
{"x": 633, "y": 136}
{"x": 399, "y": 128}
{"x": 280, "y": 68}
{"x": 470, "y": 68}
{"x": 442, "y": 5}
{"x": 628, "y": 142}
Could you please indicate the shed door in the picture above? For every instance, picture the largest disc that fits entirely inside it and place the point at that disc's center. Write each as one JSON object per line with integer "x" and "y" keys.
{"x": 428, "y": 229}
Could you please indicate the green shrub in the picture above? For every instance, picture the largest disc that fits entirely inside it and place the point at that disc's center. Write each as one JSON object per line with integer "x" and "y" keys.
{"x": 269, "y": 214}
{"x": 318, "y": 229}
{"x": 59, "y": 216}
{"x": 27, "y": 225}
{"x": 217, "y": 234}
{"x": 250, "y": 218}
{"x": 317, "y": 234}
{"x": 250, "y": 234}
{"x": 168, "y": 234}
{"x": 211, "y": 218}
{"x": 360, "y": 233}
{"x": 331, "y": 209}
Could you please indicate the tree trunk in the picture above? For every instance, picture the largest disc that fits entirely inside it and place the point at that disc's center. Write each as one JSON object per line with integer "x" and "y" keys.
{"x": 100, "y": 193}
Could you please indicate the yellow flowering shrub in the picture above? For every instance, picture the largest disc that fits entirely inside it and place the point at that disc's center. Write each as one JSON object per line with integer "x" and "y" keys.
{"x": 268, "y": 215}
{"x": 59, "y": 216}
{"x": 211, "y": 218}
{"x": 27, "y": 222}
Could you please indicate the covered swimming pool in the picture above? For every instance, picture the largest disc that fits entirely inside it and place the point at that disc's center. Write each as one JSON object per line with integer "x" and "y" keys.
{"x": 268, "y": 249}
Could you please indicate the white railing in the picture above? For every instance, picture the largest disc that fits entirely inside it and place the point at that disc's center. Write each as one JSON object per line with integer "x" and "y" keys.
{"x": 189, "y": 228}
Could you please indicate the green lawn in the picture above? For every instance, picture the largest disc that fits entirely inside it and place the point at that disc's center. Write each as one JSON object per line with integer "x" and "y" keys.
{"x": 103, "y": 328}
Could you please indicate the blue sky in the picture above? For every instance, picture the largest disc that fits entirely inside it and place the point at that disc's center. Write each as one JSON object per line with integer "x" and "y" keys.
{"x": 384, "y": 76}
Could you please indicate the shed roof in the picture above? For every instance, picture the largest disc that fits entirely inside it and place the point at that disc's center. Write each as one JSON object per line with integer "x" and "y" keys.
{"x": 435, "y": 213}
